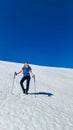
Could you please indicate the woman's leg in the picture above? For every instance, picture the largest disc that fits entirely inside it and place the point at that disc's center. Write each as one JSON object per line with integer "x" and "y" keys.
{"x": 21, "y": 83}
{"x": 27, "y": 84}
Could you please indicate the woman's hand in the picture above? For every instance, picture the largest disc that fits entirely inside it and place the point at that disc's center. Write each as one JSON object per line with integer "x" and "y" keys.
{"x": 33, "y": 76}
{"x": 15, "y": 73}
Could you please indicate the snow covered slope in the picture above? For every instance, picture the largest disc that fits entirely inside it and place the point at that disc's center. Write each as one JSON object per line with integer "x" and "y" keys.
{"x": 49, "y": 108}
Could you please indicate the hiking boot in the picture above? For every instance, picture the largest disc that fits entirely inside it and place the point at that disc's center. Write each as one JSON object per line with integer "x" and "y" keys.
{"x": 26, "y": 92}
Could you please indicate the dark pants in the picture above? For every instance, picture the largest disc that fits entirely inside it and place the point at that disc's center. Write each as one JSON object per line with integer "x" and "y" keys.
{"x": 27, "y": 78}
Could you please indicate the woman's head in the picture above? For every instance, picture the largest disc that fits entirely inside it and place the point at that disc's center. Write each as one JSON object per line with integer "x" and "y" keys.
{"x": 26, "y": 65}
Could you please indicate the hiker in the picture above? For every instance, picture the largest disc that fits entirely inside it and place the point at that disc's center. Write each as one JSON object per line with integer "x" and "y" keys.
{"x": 27, "y": 73}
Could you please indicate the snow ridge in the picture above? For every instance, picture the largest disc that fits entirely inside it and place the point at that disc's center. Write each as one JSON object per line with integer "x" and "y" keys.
{"x": 49, "y": 108}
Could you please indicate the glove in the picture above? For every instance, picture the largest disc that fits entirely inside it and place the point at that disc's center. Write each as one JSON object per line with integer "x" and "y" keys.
{"x": 15, "y": 73}
{"x": 33, "y": 76}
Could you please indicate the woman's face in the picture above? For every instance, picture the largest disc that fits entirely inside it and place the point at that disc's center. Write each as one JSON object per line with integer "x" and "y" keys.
{"x": 26, "y": 65}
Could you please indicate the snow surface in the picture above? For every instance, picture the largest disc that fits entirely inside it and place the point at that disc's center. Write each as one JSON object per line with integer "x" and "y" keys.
{"x": 51, "y": 108}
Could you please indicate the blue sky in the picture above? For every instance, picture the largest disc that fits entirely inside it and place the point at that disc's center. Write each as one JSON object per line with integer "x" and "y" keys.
{"x": 37, "y": 31}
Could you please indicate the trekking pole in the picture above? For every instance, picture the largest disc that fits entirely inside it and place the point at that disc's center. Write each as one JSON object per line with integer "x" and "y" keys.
{"x": 13, "y": 83}
{"x": 34, "y": 87}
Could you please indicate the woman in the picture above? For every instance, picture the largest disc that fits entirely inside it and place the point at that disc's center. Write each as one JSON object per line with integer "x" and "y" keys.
{"x": 27, "y": 72}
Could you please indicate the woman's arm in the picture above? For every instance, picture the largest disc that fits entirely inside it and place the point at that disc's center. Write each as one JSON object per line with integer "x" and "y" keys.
{"x": 18, "y": 72}
{"x": 33, "y": 76}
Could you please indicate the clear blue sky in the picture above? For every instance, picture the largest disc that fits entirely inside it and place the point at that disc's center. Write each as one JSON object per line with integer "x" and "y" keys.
{"x": 37, "y": 31}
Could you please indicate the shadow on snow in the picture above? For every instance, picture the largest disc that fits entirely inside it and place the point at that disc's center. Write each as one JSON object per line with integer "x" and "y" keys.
{"x": 42, "y": 93}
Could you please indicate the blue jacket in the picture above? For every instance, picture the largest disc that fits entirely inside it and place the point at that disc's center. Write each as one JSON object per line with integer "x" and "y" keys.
{"x": 26, "y": 71}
